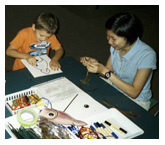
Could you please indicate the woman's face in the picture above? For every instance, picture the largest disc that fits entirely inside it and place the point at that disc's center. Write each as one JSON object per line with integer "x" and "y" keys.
{"x": 115, "y": 41}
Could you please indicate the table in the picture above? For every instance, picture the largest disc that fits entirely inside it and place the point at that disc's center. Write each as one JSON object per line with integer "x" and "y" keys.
{"x": 97, "y": 88}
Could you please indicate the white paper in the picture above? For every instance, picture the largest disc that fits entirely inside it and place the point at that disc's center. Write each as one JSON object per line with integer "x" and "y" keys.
{"x": 61, "y": 92}
{"x": 58, "y": 89}
{"x": 42, "y": 67}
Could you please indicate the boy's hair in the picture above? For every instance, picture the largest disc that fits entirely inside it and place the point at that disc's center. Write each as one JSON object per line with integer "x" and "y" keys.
{"x": 46, "y": 21}
{"x": 125, "y": 25}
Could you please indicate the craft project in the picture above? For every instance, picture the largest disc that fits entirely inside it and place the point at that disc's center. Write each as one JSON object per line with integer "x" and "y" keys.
{"x": 59, "y": 117}
{"x": 42, "y": 67}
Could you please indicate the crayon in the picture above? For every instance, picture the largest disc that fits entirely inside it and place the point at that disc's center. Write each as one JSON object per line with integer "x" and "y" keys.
{"x": 91, "y": 127}
{"x": 99, "y": 130}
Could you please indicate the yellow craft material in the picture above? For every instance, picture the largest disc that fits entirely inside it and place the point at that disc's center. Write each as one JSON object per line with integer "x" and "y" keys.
{"x": 27, "y": 123}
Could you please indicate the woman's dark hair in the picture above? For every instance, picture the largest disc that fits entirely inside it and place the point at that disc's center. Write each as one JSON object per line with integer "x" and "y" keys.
{"x": 46, "y": 21}
{"x": 125, "y": 25}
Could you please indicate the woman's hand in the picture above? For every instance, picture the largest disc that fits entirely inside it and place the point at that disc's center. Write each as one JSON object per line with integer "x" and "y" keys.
{"x": 85, "y": 60}
{"x": 97, "y": 68}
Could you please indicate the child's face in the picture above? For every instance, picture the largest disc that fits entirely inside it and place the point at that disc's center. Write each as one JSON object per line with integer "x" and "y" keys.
{"x": 41, "y": 35}
{"x": 115, "y": 41}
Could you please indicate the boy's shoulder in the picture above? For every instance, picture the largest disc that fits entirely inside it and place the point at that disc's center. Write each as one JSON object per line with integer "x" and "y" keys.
{"x": 26, "y": 30}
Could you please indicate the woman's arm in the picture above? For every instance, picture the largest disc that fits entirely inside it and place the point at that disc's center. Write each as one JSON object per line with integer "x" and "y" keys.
{"x": 131, "y": 90}
{"x": 108, "y": 64}
{"x": 134, "y": 89}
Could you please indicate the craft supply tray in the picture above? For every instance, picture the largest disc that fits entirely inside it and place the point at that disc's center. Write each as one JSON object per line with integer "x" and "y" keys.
{"x": 14, "y": 96}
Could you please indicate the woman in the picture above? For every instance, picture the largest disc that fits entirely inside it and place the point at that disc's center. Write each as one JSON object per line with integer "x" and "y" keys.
{"x": 131, "y": 62}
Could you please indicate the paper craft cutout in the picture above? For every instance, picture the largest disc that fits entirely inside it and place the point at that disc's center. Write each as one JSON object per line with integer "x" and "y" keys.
{"x": 42, "y": 67}
{"x": 60, "y": 117}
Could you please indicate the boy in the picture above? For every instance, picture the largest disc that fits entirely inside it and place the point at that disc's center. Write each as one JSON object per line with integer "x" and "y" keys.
{"x": 40, "y": 34}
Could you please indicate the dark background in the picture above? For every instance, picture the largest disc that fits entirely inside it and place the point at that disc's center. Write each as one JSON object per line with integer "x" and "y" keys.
{"x": 82, "y": 29}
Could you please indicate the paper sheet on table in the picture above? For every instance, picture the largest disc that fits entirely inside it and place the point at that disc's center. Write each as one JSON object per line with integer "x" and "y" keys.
{"x": 42, "y": 67}
{"x": 61, "y": 92}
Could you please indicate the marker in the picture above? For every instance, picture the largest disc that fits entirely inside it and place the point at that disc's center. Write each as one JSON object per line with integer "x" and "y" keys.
{"x": 9, "y": 105}
{"x": 73, "y": 131}
{"x": 99, "y": 130}
{"x": 102, "y": 129}
{"x": 28, "y": 78}
{"x": 94, "y": 129}
{"x": 111, "y": 132}
{"x": 121, "y": 130}
{"x": 76, "y": 130}
{"x": 91, "y": 127}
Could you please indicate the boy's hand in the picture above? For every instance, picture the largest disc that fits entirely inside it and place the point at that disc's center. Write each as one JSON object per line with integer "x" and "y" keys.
{"x": 31, "y": 60}
{"x": 54, "y": 65}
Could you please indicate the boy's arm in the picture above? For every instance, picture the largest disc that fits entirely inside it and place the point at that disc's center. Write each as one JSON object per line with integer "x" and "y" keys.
{"x": 59, "y": 53}
{"x": 13, "y": 52}
{"x": 54, "y": 63}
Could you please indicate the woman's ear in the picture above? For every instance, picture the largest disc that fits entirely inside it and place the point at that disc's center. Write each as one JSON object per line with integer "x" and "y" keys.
{"x": 126, "y": 41}
{"x": 33, "y": 27}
